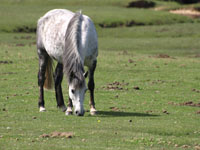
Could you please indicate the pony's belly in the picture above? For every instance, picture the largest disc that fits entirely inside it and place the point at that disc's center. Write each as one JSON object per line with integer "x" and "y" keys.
{"x": 56, "y": 52}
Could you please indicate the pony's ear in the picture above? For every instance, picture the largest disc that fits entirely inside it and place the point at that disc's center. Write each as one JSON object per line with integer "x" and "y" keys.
{"x": 85, "y": 74}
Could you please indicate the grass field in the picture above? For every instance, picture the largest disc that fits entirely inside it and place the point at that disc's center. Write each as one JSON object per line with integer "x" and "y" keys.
{"x": 147, "y": 80}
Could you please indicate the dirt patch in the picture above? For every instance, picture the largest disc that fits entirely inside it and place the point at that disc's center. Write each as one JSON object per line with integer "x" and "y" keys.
{"x": 8, "y": 73}
{"x": 136, "y": 88}
{"x": 56, "y": 134}
{"x": 157, "y": 82}
{"x": 131, "y": 61}
{"x": 197, "y": 147}
{"x": 197, "y": 56}
{"x": 124, "y": 52}
{"x": 187, "y": 12}
{"x": 165, "y": 112}
{"x": 116, "y": 86}
{"x": 149, "y": 111}
{"x": 198, "y": 112}
{"x": 20, "y": 44}
{"x": 162, "y": 56}
{"x": 185, "y": 146}
{"x": 195, "y": 90}
{"x": 119, "y": 86}
{"x": 6, "y": 62}
{"x": 141, "y": 4}
{"x": 115, "y": 109}
{"x": 188, "y": 103}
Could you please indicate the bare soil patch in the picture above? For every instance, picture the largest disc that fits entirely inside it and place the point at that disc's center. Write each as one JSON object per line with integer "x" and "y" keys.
{"x": 115, "y": 109}
{"x": 198, "y": 112}
{"x": 165, "y": 112}
{"x": 56, "y": 134}
{"x": 8, "y": 73}
{"x": 20, "y": 44}
{"x": 136, "y": 88}
{"x": 197, "y": 56}
{"x": 5, "y": 62}
{"x": 195, "y": 90}
{"x": 162, "y": 56}
{"x": 188, "y": 103}
{"x": 187, "y": 12}
{"x": 124, "y": 52}
{"x": 158, "y": 82}
{"x": 116, "y": 86}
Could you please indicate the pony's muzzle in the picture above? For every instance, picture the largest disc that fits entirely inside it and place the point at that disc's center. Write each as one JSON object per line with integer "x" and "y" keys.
{"x": 79, "y": 113}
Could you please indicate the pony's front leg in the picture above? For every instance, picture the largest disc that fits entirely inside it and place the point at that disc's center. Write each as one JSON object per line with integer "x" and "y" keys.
{"x": 91, "y": 86}
{"x": 69, "y": 108}
{"x": 41, "y": 78}
{"x": 58, "y": 77}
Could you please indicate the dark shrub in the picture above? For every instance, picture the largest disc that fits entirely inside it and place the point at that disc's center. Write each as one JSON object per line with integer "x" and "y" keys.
{"x": 185, "y": 1}
{"x": 141, "y": 4}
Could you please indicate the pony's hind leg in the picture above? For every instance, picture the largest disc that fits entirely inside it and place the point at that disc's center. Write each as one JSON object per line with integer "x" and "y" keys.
{"x": 43, "y": 60}
{"x": 91, "y": 86}
{"x": 58, "y": 77}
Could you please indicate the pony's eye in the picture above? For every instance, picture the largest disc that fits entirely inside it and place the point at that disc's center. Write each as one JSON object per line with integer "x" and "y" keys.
{"x": 73, "y": 91}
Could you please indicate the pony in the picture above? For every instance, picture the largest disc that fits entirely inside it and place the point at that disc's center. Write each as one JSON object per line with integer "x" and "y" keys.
{"x": 71, "y": 40}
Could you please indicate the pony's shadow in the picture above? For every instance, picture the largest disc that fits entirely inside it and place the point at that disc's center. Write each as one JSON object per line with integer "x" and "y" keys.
{"x": 123, "y": 114}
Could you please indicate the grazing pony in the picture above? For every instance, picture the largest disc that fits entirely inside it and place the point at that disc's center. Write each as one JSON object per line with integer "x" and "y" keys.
{"x": 70, "y": 39}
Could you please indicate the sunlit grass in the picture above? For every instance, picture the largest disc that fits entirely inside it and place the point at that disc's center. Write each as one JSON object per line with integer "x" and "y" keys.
{"x": 156, "y": 69}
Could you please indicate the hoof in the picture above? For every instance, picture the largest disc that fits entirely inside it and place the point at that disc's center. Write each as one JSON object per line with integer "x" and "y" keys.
{"x": 63, "y": 108}
{"x": 42, "y": 109}
{"x": 68, "y": 111}
{"x": 93, "y": 111}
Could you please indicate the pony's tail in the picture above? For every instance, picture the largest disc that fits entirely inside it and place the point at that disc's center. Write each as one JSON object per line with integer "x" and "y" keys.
{"x": 48, "y": 84}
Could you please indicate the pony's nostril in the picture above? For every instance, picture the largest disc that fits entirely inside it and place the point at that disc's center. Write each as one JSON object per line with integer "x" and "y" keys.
{"x": 77, "y": 113}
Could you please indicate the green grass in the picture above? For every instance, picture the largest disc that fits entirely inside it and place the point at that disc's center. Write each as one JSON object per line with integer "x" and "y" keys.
{"x": 23, "y": 15}
{"x": 149, "y": 118}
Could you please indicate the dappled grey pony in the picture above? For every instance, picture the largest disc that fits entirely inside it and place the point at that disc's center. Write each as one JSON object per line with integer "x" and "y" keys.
{"x": 70, "y": 39}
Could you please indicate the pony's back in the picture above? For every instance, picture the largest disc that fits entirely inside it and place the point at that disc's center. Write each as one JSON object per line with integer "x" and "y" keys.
{"x": 51, "y": 31}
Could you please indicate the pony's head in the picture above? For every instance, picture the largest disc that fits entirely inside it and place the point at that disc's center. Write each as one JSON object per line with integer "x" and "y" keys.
{"x": 77, "y": 90}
